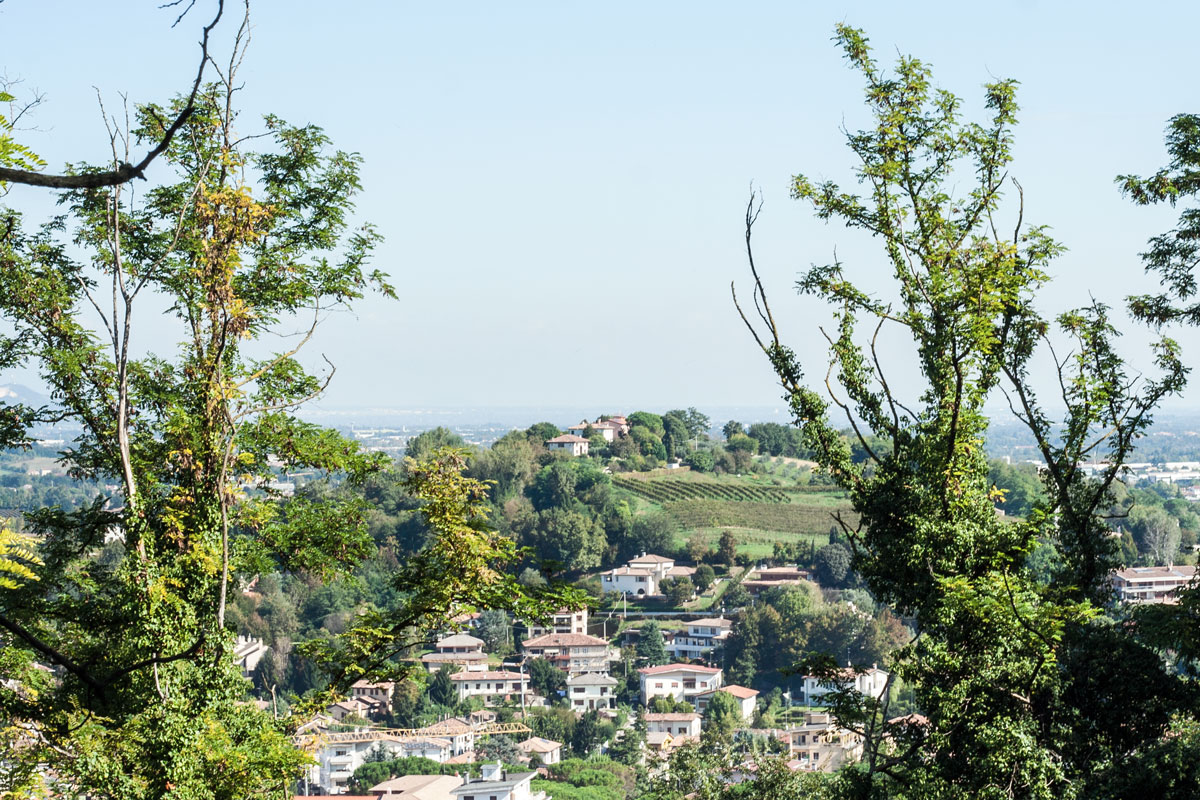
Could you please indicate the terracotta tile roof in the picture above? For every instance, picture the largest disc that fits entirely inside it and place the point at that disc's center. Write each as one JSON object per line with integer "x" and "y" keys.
{"x": 566, "y": 438}
{"x": 651, "y": 557}
{"x": 680, "y": 717}
{"x": 537, "y": 744}
{"x": 630, "y": 571}
{"x": 565, "y": 640}
{"x": 739, "y": 691}
{"x": 459, "y": 640}
{"x": 499, "y": 675}
{"x": 454, "y": 725}
{"x": 678, "y": 668}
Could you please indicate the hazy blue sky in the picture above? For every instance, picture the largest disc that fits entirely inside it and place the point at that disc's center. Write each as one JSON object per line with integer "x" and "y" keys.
{"x": 561, "y": 185}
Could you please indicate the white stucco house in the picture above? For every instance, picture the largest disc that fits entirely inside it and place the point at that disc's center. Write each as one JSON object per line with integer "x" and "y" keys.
{"x": 678, "y": 681}
{"x": 677, "y": 724}
{"x": 588, "y": 691}
{"x": 569, "y": 443}
{"x": 872, "y": 683}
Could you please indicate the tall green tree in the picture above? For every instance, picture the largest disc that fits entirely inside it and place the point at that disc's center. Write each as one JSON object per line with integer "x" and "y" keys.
{"x": 985, "y": 669}
{"x": 235, "y": 244}
{"x": 651, "y": 649}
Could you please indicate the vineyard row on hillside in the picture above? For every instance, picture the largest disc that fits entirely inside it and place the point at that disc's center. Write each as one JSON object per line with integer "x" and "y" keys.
{"x": 691, "y": 514}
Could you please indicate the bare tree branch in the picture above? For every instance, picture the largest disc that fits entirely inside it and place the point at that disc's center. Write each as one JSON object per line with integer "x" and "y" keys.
{"x": 124, "y": 172}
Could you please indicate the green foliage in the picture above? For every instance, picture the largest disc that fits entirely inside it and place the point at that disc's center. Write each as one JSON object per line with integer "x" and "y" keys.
{"x": 495, "y": 629}
{"x": 832, "y": 565}
{"x": 546, "y": 679}
{"x": 732, "y": 428}
{"x": 651, "y": 649}
{"x": 722, "y": 716}
{"x": 441, "y": 689}
{"x": 645, "y": 419}
{"x": 678, "y": 590}
{"x": 421, "y": 446}
{"x": 727, "y": 548}
{"x": 1021, "y": 488}
{"x": 18, "y": 558}
{"x": 985, "y": 669}
{"x": 462, "y": 544}
{"x": 703, "y": 577}
{"x": 232, "y": 245}
{"x": 1172, "y": 255}
{"x": 541, "y": 432}
{"x": 700, "y": 461}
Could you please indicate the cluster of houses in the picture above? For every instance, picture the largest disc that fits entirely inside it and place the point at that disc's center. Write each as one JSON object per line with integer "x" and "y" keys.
{"x": 494, "y": 781}
{"x": 575, "y": 443}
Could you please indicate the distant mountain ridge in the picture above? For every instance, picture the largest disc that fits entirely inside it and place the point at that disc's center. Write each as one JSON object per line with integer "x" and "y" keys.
{"x": 14, "y": 393}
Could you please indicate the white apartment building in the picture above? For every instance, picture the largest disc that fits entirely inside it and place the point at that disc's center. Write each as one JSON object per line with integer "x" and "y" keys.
{"x": 490, "y": 685}
{"x": 701, "y": 638}
{"x": 461, "y": 651}
{"x": 570, "y": 652}
{"x": 678, "y": 681}
{"x": 564, "y": 620}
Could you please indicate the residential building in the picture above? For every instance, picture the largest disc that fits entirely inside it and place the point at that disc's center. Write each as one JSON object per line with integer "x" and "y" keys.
{"x": 701, "y": 638}
{"x": 337, "y": 761}
{"x": 490, "y": 685}
{"x": 589, "y": 691}
{"x": 609, "y": 430}
{"x": 678, "y": 681}
{"x": 247, "y": 652}
{"x": 373, "y": 692}
{"x": 459, "y": 731}
{"x": 349, "y": 708}
{"x": 548, "y": 751}
{"x": 1151, "y": 584}
{"x": 746, "y": 699}
{"x": 565, "y": 620}
{"x": 570, "y": 652}
{"x": 643, "y": 575}
{"x": 417, "y": 787}
{"x": 461, "y": 651}
{"x": 570, "y": 443}
{"x": 677, "y": 724}
{"x": 820, "y": 745}
{"x": 497, "y": 783}
{"x": 872, "y": 683}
